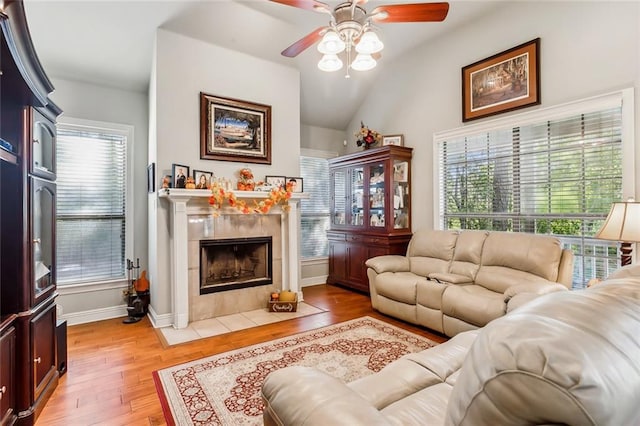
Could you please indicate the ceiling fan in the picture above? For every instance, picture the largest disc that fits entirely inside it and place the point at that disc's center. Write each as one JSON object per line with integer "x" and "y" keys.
{"x": 351, "y": 28}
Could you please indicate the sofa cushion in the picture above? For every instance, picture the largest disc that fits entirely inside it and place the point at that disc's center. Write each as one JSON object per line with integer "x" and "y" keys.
{"x": 399, "y": 286}
{"x": 565, "y": 358}
{"x": 429, "y": 293}
{"x": 473, "y": 304}
{"x": 431, "y": 251}
{"x": 467, "y": 254}
{"x": 537, "y": 255}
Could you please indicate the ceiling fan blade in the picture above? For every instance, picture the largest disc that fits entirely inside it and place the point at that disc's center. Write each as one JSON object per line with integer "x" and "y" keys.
{"x": 313, "y": 5}
{"x": 296, "y": 48}
{"x": 416, "y": 12}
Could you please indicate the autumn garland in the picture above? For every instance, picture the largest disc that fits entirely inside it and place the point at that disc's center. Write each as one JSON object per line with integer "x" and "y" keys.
{"x": 220, "y": 196}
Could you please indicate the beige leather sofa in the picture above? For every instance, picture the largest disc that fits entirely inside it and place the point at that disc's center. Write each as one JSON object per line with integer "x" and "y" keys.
{"x": 454, "y": 281}
{"x": 564, "y": 358}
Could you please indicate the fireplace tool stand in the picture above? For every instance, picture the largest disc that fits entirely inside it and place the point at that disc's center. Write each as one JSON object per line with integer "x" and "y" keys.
{"x": 137, "y": 301}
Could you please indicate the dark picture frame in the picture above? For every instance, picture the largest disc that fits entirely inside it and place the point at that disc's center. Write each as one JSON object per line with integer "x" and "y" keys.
{"x": 278, "y": 181}
{"x": 234, "y": 130}
{"x": 503, "y": 82}
{"x": 299, "y": 183}
{"x": 151, "y": 178}
{"x": 179, "y": 175}
{"x": 397, "y": 140}
{"x": 197, "y": 174}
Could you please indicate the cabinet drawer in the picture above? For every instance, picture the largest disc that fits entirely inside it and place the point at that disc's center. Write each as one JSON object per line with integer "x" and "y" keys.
{"x": 366, "y": 239}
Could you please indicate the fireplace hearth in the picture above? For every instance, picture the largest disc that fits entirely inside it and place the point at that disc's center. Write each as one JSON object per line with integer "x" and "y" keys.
{"x": 234, "y": 263}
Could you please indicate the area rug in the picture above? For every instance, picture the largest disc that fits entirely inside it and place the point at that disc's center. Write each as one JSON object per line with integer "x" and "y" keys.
{"x": 225, "y": 389}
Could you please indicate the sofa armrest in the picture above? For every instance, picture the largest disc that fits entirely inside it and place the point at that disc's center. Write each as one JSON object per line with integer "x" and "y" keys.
{"x": 521, "y": 294}
{"x": 307, "y": 396}
{"x": 389, "y": 263}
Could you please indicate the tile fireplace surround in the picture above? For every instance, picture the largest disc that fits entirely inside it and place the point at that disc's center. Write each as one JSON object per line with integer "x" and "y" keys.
{"x": 191, "y": 220}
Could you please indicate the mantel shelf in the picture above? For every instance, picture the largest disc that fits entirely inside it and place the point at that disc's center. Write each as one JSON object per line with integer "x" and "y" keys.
{"x": 182, "y": 194}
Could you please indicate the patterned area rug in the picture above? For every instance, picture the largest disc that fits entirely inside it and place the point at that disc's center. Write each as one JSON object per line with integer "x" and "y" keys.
{"x": 225, "y": 389}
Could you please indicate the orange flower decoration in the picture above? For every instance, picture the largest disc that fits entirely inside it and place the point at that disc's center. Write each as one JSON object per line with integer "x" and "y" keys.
{"x": 277, "y": 196}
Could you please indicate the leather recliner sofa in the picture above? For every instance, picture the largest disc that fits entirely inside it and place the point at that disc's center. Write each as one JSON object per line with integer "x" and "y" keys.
{"x": 454, "y": 281}
{"x": 564, "y": 358}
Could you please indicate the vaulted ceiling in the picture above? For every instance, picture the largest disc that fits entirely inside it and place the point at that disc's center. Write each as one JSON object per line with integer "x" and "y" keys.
{"x": 110, "y": 43}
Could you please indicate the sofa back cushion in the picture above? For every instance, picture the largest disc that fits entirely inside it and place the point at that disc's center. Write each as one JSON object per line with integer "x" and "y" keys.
{"x": 511, "y": 258}
{"x": 467, "y": 254}
{"x": 431, "y": 251}
{"x": 565, "y": 358}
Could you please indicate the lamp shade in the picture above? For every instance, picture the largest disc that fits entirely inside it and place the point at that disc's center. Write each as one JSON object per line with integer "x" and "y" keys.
{"x": 369, "y": 43}
{"x": 622, "y": 223}
{"x": 330, "y": 63}
{"x": 363, "y": 62}
{"x": 331, "y": 44}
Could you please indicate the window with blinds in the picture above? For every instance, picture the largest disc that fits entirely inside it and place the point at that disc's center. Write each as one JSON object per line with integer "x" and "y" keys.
{"x": 315, "y": 210}
{"x": 91, "y": 205}
{"x": 555, "y": 176}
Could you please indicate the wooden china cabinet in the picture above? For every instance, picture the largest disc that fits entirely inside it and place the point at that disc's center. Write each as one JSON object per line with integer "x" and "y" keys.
{"x": 28, "y": 372}
{"x": 370, "y": 211}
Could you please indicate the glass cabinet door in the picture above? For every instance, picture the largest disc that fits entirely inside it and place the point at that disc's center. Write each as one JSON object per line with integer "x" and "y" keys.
{"x": 43, "y": 146}
{"x": 42, "y": 235}
{"x": 357, "y": 197}
{"x": 401, "y": 197}
{"x": 339, "y": 197}
{"x": 376, "y": 195}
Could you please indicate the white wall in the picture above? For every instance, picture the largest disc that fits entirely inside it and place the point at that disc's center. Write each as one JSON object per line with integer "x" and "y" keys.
{"x": 587, "y": 48}
{"x": 323, "y": 139}
{"x": 185, "y": 67}
{"x": 99, "y": 103}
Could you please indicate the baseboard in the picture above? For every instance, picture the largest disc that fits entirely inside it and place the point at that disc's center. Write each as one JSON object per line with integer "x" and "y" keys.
{"x": 75, "y": 318}
{"x": 309, "y": 281}
{"x": 159, "y": 321}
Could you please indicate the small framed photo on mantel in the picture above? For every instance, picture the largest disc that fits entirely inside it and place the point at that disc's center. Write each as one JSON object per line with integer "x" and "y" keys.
{"x": 295, "y": 183}
{"x": 397, "y": 140}
{"x": 180, "y": 174}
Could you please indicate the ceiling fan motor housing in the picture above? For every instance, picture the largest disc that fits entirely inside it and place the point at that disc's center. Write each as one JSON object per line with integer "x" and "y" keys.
{"x": 350, "y": 27}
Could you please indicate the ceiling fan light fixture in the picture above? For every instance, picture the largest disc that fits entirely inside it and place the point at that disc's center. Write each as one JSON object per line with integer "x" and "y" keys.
{"x": 369, "y": 43}
{"x": 363, "y": 62}
{"x": 330, "y": 63}
{"x": 331, "y": 44}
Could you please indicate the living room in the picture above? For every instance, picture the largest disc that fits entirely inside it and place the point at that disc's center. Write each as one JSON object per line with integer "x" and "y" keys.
{"x": 587, "y": 50}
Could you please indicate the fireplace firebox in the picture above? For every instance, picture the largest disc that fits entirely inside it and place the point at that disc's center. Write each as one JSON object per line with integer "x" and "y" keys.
{"x": 233, "y": 263}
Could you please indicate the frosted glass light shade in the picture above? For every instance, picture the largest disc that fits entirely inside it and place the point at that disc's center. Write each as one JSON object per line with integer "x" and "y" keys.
{"x": 363, "y": 62}
{"x": 331, "y": 44}
{"x": 369, "y": 43}
{"x": 622, "y": 223}
{"x": 330, "y": 63}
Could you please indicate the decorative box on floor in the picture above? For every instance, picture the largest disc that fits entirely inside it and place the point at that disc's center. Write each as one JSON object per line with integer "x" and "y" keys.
{"x": 285, "y": 302}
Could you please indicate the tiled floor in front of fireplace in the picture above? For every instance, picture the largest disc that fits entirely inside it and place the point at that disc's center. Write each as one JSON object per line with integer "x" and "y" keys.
{"x": 228, "y": 323}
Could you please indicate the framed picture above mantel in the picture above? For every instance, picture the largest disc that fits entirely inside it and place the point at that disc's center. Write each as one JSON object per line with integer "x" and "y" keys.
{"x": 234, "y": 130}
{"x": 503, "y": 82}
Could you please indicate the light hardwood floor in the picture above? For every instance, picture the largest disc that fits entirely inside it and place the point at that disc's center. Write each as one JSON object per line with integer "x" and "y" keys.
{"x": 109, "y": 380}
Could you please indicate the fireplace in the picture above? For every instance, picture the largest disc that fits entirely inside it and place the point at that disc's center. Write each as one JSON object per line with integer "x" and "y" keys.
{"x": 234, "y": 263}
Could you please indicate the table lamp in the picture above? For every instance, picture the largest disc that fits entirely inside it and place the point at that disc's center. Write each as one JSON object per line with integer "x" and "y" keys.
{"x": 622, "y": 224}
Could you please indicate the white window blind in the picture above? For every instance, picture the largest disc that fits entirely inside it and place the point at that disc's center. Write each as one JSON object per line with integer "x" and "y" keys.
{"x": 555, "y": 176}
{"x": 315, "y": 210}
{"x": 91, "y": 205}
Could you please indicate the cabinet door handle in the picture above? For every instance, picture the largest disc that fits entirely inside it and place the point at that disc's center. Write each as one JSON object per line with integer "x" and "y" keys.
{"x": 3, "y": 390}
{"x": 36, "y": 241}
{"x": 38, "y": 360}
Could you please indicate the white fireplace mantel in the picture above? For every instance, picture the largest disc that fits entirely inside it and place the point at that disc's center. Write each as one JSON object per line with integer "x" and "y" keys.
{"x": 185, "y": 202}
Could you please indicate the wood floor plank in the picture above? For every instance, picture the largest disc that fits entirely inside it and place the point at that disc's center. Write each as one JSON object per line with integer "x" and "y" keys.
{"x": 109, "y": 379}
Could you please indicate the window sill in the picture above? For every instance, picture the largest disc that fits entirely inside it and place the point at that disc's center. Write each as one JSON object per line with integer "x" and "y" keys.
{"x": 79, "y": 288}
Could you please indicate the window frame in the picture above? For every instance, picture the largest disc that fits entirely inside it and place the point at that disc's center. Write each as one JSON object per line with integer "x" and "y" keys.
{"x": 315, "y": 153}
{"x": 623, "y": 98}
{"x": 127, "y": 131}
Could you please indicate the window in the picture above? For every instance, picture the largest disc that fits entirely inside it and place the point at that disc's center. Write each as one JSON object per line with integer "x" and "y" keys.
{"x": 556, "y": 174}
{"x": 93, "y": 232}
{"x": 314, "y": 170}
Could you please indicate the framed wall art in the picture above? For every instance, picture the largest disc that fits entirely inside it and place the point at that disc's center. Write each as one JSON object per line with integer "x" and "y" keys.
{"x": 296, "y": 183}
{"x": 277, "y": 181}
{"x": 234, "y": 130}
{"x": 393, "y": 140}
{"x": 202, "y": 179}
{"x": 179, "y": 173}
{"x": 503, "y": 82}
